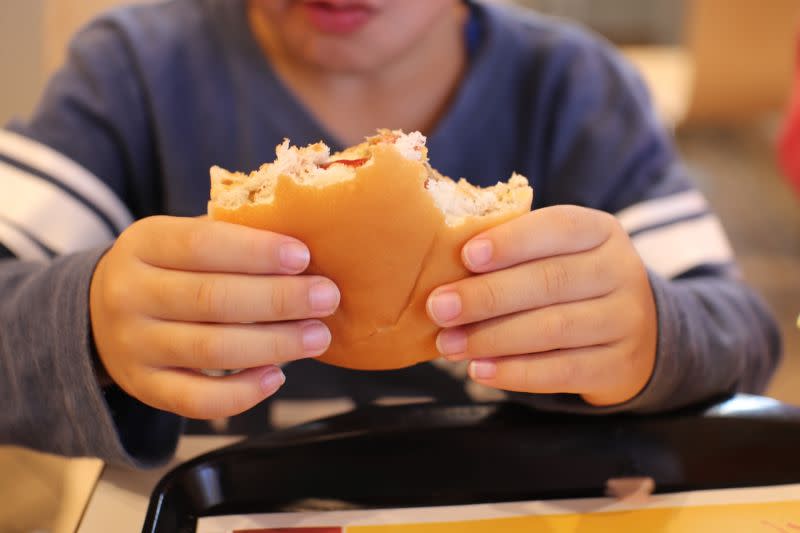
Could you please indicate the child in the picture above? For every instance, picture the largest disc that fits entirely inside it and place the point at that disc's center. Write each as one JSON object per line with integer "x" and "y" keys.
{"x": 618, "y": 293}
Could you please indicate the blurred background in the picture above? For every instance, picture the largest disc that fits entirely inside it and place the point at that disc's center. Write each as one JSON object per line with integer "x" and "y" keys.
{"x": 720, "y": 72}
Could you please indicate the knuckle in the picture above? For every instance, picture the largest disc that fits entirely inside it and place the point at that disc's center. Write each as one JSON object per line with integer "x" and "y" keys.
{"x": 117, "y": 294}
{"x": 278, "y": 301}
{"x": 211, "y": 298}
{"x": 204, "y": 351}
{"x": 557, "y": 328}
{"x": 489, "y": 295}
{"x": 129, "y": 340}
{"x": 555, "y": 279}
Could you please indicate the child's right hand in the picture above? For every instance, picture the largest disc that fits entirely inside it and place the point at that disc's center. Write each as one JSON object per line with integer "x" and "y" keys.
{"x": 174, "y": 295}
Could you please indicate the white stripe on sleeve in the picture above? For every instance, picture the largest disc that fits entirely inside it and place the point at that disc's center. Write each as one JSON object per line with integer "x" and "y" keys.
{"x": 662, "y": 210}
{"x": 676, "y": 248}
{"x": 20, "y": 244}
{"x": 70, "y": 173}
{"x": 52, "y": 216}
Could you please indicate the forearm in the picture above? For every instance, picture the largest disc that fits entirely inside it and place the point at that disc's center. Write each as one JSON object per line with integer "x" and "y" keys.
{"x": 716, "y": 336}
{"x": 51, "y": 397}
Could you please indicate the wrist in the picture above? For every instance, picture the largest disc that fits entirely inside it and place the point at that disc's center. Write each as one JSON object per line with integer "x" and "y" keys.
{"x": 102, "y": 376}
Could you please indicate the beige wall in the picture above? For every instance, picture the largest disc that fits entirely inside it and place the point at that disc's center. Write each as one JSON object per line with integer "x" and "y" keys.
{"x": 62, "y": 18}
{"x": 744, "y": 55}
{"x": 20, "y": 56}
{"x": 33, "y": 39}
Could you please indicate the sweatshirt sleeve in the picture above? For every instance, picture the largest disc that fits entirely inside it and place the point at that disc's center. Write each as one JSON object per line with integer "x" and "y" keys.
{"x": 608, "y": 150}
{"x": 66, "y": 192}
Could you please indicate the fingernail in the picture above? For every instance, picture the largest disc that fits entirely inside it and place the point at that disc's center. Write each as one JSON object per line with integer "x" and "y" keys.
{"x": 482, "y": 369}
{"x": 316, "y": 339}
{"x": 478, "y": 253}
{"x": 272, "y": 380}
{"x": 294, "y": 256}
{"x": 444, "y": 306}
{"x": 323, "y": 296}
{"x": 451, "y": 342}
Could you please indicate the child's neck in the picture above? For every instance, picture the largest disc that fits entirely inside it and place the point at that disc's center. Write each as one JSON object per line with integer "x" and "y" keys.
{"x": 411, "y": 93}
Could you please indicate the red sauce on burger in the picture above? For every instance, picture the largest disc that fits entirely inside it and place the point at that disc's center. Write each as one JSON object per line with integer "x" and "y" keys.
{"x": 354, "y": 163}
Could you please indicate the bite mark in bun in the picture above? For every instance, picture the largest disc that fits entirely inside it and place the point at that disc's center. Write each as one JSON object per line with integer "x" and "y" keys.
{"x": 381, "y": 223}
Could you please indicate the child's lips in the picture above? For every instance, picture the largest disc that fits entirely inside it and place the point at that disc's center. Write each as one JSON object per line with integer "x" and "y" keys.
{"x": 337, "y": 16}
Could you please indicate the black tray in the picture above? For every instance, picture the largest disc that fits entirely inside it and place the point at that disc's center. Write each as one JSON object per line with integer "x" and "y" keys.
{"x": 424, "y": 455}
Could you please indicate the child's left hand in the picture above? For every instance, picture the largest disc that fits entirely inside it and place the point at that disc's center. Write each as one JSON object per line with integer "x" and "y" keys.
{"x": 561, "y": 304}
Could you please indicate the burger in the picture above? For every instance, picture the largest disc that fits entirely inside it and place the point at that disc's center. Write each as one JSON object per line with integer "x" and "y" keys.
{"x": 381, "y": 223}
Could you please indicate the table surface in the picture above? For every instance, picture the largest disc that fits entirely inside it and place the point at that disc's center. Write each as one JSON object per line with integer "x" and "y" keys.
{"x": 48, "y": 493}
{"x": 41, "y": 492}
{"x": 121, "y": 495}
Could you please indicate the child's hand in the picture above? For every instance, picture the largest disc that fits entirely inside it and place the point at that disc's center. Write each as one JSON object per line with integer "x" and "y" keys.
{"x": 562, "y": 304}
{"x": 174, "y": 295}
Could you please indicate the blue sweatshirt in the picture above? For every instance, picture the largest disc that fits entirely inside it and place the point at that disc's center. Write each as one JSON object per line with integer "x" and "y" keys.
{"x": 152, "y": 96}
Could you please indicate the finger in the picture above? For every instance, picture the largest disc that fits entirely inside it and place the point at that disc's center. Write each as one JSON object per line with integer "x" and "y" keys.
{"x": 235, "y": 298}
{"x": 575, "y": 371}
{"x": 194, "y": 395}
{"x": 221, "y": 347}
{"x": 531, "y": 285}
{"x": 562, "y": 326}
{"x": 557, "y": 230}
{"x": 202, "y": 245}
